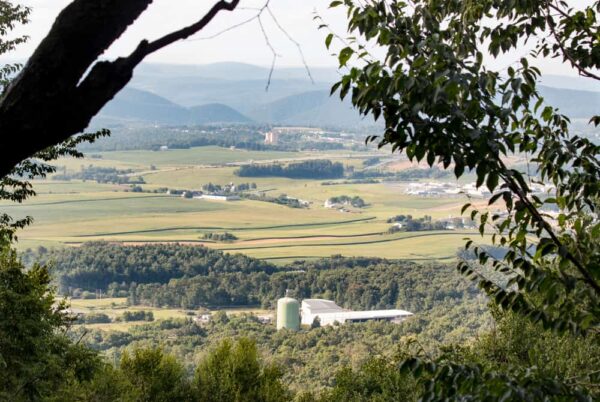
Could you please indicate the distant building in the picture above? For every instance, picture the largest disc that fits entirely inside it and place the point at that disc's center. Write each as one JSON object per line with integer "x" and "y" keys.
{"x": 265, "y": 319}
{"x": 298, "y": 130}
{"x": 271, "y": 138}
{"x": 164, "y": 148}
{"x": 202, "y": 319}
{"x": 329, "y": 313}
{"x": 218, "y": 197}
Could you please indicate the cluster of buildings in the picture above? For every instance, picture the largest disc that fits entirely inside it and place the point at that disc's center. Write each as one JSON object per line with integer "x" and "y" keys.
{"x": 228, "y": 192}
{"x": 436, "y": 189}
{"x": 273, "y": 137}
{"x": 290, "y": 314}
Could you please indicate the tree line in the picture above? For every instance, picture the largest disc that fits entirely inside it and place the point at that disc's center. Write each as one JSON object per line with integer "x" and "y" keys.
{"x": 313, "y": 169}
{"x": 96, "y": 265}
{"x": 193, "y": 276}
{"x": 101, "y": 175}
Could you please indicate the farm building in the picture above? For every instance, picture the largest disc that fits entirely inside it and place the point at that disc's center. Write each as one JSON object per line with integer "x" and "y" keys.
{"x": 272, "y": 138}
{"x": 329, "y": 313}
{"x": 219, "y": 197}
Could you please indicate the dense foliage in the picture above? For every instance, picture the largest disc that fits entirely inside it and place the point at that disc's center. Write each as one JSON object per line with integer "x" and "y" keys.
{"x": 406, "y": 223}
{"x": 97, "y": 265}
{"x": 379, "y": 284}
{"x": 11, "y": 15}
{"x": 221, "y": 237}
{"x": 313, "y": 169}
{"x": 564, "y": 367}
{"x": 240, "y": 136}
{"x": 36, "y": 357}
{"x": 402, "y": 175}
{"x": 282, "y": 199}
{"x": 443, "y": 104}
{"x": 101, "y": 175}
{"x": 356, "y": 201}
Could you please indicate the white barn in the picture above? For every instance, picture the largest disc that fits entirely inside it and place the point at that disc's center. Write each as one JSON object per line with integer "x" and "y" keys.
{"x": 328, "y": 313}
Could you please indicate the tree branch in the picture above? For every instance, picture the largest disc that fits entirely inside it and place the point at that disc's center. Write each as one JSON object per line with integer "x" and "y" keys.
{"x": 52, "y": 99}
{"x": 535, "y": 213}
{"x": 582, "y": 71}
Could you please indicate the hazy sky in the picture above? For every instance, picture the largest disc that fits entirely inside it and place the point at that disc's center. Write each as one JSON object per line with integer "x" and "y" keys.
{"x": 243, "y": 44}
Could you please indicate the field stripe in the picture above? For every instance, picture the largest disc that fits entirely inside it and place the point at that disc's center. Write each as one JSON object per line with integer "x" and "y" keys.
{"x": 348, "y": 244}
{"x": 319, "y": 257}
{"x": 171, "y": 229}
{"x": 311, "y": 236}
{"x": 90, "y": 200}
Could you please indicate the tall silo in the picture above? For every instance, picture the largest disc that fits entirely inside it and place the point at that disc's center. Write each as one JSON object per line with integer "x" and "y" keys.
{"x": 288, "y": 314}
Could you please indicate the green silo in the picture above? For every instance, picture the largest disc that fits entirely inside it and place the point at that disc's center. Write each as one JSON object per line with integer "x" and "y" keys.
{"x": 288, "y": 314}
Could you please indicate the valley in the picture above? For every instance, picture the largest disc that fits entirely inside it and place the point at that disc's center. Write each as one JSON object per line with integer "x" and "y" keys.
{"x": 69, "y": 213}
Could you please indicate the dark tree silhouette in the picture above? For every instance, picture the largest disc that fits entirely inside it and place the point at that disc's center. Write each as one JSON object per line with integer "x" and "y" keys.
{"x": 53, "y": 98}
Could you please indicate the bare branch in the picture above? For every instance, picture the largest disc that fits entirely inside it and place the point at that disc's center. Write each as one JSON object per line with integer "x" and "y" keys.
{"x": 257, "y": 17}
{"x": 298, "y": 46}
{"x": 145, "y": 48}
{"x": 270, "y": 46}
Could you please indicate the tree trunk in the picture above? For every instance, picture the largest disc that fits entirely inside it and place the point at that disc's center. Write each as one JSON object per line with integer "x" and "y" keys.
{"x": 53, "y": 98}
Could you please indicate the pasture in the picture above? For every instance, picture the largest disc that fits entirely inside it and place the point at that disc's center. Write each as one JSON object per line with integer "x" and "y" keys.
{"x": 115, "y": 307}
{"x": 69, "y": 213}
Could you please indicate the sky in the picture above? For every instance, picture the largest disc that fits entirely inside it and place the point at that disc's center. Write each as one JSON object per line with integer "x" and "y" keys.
{"x": 244, "y": 44}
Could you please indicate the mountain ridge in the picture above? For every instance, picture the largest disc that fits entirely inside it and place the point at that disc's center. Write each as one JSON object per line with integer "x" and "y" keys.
{"x": 235, "y": 93}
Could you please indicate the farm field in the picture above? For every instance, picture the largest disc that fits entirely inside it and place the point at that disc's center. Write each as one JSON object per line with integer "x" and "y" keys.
{"x": 69, "y": 213}
{"x": 115, "y": 307}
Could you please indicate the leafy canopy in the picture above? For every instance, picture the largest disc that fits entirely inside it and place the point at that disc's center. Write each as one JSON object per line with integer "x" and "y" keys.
{"x": 442, "y": 104}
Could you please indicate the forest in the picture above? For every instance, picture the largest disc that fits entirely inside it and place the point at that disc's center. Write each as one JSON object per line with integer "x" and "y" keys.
{"x": 403, "y": 175}
{"x": 192, "y": 277}
{"x": 101, "y": 175}
{"x": 242, "y": 136}
{"x": 97, "y": 265}
{"x": 313, "y": 169}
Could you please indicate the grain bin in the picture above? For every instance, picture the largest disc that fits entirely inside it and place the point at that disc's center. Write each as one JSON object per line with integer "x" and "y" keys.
{"x": 288, "y": 314}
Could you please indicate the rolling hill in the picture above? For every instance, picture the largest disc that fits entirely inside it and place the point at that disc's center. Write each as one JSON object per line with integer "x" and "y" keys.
{"x": 166, "y": 94}
{"x": 132, "y": 106}
{"x": 215, "y": 113}
{"x": 314, "y": 108}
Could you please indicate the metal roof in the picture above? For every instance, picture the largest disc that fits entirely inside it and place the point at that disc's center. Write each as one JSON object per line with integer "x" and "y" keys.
{"x": 367, "y": 315}
{"x": 317, "y": 306}
{"x": 328, "y": 309}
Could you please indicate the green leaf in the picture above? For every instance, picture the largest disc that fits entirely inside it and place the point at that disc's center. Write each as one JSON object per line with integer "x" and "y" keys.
{"x": 345, "y": 55}
{"x": 328, "y": 40}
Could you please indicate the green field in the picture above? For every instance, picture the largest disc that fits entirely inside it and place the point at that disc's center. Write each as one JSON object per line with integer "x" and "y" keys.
{"x": 115, "y": 307}
{"x": 69, "y": 213}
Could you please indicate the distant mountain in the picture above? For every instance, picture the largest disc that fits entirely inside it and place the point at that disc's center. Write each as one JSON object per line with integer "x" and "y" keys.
{"x": 573, "y": 103}
{"x": 215, "y": 113}
{"x": 314, "y": 108}
{"x": 236, "y": 93}
{"x": 132, "y": 106}
{"x": 241, "y": 95}
{"x": 237, "y": 72}
{"x": 568, "y": 82}
{"x": 240, "y": 86}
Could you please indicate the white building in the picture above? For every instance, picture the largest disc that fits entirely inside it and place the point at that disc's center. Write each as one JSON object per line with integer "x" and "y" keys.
{"x": 218, "y": 197}
{"x": 328, "y": 313}
{"x": 271, "y": 138}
